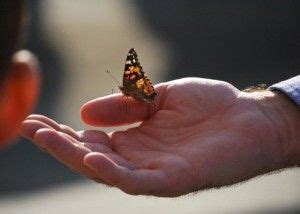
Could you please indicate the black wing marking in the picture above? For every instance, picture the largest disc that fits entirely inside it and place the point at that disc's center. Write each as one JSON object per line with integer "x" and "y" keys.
{"x": 133, "y": 69}
{"x": 131, "y": 60}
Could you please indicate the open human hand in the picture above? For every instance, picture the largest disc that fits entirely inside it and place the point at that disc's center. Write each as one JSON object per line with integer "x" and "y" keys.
{"x": 198, "y": 134}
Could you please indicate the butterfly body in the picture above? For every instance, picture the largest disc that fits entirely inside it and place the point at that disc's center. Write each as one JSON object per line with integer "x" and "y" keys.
{"x": 135, "y": 83}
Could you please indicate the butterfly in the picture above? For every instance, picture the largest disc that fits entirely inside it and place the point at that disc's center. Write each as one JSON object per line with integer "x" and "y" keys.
{"x": 135, "y": 83}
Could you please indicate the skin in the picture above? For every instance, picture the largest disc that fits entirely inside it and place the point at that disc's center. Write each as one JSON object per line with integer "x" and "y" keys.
{"x": 19, "y": 74}
{"x": 198, "y": 134}
{"x": 19, "y": 93}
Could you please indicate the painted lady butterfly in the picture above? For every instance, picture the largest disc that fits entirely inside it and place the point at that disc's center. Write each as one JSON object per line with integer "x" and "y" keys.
{"x": 135, "y": 83}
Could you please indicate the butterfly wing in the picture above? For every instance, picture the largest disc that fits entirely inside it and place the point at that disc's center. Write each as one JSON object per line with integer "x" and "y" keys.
{"x": 133, "y": 70}
{"x": 135, "y": 83}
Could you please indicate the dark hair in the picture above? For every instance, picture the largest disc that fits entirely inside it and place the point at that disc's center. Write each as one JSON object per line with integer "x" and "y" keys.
{"x": 10, "y": 24}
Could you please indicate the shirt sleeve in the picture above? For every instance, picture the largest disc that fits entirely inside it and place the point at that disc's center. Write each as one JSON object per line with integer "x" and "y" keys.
{"x": 290, "y": 87}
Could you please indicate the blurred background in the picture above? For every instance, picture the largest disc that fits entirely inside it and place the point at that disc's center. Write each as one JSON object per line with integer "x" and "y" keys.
{"x": 243, "y": 42}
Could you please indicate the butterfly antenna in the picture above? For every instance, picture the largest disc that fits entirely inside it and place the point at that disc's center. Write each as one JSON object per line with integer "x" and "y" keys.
{"x": 113, "y": 78}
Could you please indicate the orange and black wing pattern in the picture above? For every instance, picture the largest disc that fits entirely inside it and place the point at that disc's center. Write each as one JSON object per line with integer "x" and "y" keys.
{"x": 135, "y": 83}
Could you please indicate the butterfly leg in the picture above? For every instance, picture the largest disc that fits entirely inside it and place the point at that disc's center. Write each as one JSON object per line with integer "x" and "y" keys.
{"x": 125, "y": 99}
{"x": 152, "y": 107}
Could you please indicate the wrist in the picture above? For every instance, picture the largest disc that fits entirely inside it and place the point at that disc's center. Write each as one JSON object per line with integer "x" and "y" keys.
{"x": 285, "y": 116}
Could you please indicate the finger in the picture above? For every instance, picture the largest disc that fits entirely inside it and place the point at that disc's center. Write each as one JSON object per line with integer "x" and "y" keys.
{"x": 59, "y": 127}
{"x": 45, "y": 120}
{"x": 114, "y": 110}
{"x": 135, "y": 182}
{"x": 96, "y": 147}
{"x": 94, "y": 137}
{"x": 61, "y": 146}
{"x": 29, "y": 128}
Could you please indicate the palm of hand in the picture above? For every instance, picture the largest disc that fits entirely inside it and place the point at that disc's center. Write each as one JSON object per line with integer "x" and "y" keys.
{"x": 200, "y": 127}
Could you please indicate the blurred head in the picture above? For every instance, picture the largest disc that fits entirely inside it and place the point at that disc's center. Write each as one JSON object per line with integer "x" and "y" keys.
{"x": 19, "y": 78}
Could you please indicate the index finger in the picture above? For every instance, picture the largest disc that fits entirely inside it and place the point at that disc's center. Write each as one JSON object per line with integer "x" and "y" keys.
{"x": 116, "y": 110}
